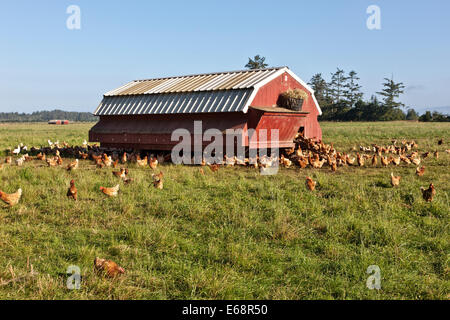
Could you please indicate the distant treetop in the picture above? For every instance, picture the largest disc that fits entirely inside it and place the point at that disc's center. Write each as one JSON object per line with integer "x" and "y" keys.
{"x": 256, "y": 63}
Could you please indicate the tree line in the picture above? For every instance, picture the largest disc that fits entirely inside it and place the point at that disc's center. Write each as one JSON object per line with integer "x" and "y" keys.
{"x": 341, "y": 98}
{"x": 40, "y": 116}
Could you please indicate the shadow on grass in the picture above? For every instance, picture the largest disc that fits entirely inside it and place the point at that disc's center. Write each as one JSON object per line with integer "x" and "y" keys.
{"x": 382, "y": 184}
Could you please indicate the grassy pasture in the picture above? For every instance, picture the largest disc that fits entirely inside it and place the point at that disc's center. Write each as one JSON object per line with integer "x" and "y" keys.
{"x": 233, "y": 234}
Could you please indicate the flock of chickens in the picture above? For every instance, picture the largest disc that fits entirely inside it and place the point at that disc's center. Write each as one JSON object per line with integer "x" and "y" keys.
{"x": 315, "y": 154}
{"x": 305, "y": 153}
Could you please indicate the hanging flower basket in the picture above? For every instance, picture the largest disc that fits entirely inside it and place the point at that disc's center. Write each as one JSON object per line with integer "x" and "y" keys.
{"x": 292, "y": 99}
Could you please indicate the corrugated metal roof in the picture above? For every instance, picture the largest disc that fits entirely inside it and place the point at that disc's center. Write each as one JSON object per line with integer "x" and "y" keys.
{"x": 229, "y": 91}
{"x": 186, "y": 102}
{"x": 229, "y": 80}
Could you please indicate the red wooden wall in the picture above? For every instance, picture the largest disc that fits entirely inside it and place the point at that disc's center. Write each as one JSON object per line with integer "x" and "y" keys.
{"x": 267, "y": 96}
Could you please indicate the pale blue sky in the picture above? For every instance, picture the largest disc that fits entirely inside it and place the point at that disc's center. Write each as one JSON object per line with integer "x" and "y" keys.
{"x": 43, "y": 65}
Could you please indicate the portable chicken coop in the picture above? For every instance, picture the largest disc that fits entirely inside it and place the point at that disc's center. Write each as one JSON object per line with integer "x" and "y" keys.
{"x": 142, "y": 114}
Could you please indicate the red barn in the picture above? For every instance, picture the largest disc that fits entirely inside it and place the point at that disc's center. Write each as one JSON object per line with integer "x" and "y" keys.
{"x": 142, "y": 114}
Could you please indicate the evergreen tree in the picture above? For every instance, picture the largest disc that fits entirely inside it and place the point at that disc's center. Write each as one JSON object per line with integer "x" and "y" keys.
{"x": 412, "y": 115}
{"x": 426, "y": 117}
{"x": 256, "y": 63}
{"x": 337, "y": 85}
{"x": 390, "y": 92}
{"x": 320, "y": 87}
{"x": 352, "y": 91}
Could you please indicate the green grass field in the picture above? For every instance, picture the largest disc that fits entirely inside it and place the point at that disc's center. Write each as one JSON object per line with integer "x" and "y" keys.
{"x": 234, "y": 234}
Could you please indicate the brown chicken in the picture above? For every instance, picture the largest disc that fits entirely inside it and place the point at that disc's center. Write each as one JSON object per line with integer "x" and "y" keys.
{"x": 395, "y": 161}
{"x": 360, "y": 160}
{"x": 73, "y": 165}
{"x": 302, "y": 162}
{"x": 316, "y": 163}
{"x": 59, "y": 160}
{"x": 153, "y": 163}
{"x": 416, "y": 161}
{"x": 374, "y": 160}
{"x": 11, "y": 199}
{"x": 52, "y": 162}
{"x": 310, "y": 184}
{"x": 107, "y": 160}
{"x": 83, "y": 155}
{"x": 395, "y": 180}
{"x": 110, "y": 192}
{"x": 158, "y": 176}
{"x": 96, "y": 158}
{"x": 436, "y": 154}
{"x": 8, "y": 160}
{"x": 72, "y": 192}
{"x": 214, "y": 167}
{"x": 115, "y": 163}
{"x": 405, "y": 159}
{"x": 420, "y": 171}
{"x": 350, "y": 161}
{"x": 285, "y": 161}
{"x": 428, "y": 194}
{"x": 333, "y": 166}
{"x": 124, "y": 157}
{"x": 108, "y": 267}
{"x": 158, "y": 183}
{"x": 143, "y": 162}
{"x": 120, "y": 174}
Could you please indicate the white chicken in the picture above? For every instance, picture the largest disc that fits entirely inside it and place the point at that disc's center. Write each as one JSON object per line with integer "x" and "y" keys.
{"x": 16, "y": 151}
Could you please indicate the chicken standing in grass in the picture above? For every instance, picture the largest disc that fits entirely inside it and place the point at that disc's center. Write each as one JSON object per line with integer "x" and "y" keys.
{"x": 360, "y": 160}
{"x": 121, "y": 174}
{"x": 158, "y": 180}
{"x": 8, "y": 160}
{"x": 416, "y": 161}
{"x": 108, "y": 267}
{"x": 72, "y": 192}
{"x": 384, "y": 161}
{"x": 11, "y": 199}
{"x": 143, "y": 162}
{"x": 428, "y": 194}
{"x": 73, "y": 165}
{"x": 153, "y": 163}
{"x": 374, "y": 160}
{"x": 420, "y": 171}
{"x": 214, "y": 167}
{"x": 333, "y": 166}
{"x": 310, "y": 184}
{"x": 395, "y": 180}
{"x": 110, "y": 192}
